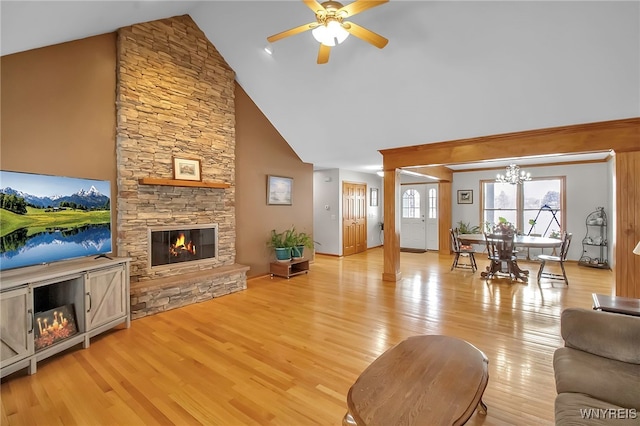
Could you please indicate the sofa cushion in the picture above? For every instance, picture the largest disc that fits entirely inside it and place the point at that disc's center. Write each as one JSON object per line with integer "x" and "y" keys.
{"x": 579, "y": 409}
{"x": 614, "y": 336}
{"x": 612, "y": 381}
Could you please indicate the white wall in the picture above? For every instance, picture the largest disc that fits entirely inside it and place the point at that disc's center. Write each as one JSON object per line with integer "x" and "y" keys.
{"x": 326, "y": 211}
{"x": 327, "y": 222}
{"x": 587, "y": 186}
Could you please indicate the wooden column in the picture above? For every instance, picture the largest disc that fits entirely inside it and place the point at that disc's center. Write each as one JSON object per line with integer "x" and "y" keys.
{"x": 627, "y": 223}
{"x": 444, "y": 217}
{"x": 392, "y": 213}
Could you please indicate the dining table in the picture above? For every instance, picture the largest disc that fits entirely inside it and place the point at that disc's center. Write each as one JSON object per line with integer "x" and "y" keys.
{"x": 523, "y": 241}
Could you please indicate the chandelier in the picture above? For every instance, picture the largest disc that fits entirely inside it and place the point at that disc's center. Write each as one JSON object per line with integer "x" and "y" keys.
{"x": 513, "y": 175}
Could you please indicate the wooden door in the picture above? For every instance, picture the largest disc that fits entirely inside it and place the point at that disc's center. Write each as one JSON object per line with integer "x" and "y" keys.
{"x": 354, "y": 218}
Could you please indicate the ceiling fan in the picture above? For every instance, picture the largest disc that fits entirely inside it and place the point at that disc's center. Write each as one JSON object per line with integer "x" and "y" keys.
{"x": 331, "y": 28}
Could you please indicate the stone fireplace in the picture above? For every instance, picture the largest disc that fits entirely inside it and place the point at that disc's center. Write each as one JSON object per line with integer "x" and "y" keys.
{"x": 179, "y": 244}
{"x": 175, "y": 98}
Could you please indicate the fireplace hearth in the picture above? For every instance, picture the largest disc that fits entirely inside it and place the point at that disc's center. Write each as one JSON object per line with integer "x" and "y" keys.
{"x": 180, "y": 244}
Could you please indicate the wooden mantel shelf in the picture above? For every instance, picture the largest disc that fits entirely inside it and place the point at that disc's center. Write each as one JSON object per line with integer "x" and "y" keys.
{"x": 175, "y": 182}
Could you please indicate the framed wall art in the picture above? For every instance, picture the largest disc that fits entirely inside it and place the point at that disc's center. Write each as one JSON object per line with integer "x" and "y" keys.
{"x": 465, "y": 196}
{"x": 279, "y": 190}
{"x": 186, "y": 169}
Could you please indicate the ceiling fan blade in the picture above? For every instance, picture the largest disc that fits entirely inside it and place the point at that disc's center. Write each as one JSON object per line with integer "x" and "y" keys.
{"x": 314, "y": 5}
{"x": 367, "y": 35}
{"x": 323, "y": 54}
{"x": 292, "y": 31}
{"x": 360, "y": 6}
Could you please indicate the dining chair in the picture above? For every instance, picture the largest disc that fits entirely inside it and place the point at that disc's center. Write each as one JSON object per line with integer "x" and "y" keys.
{"x": 560, "y": 258}
{"x": 501, "y": 253}
{"x": 462, "y": 250}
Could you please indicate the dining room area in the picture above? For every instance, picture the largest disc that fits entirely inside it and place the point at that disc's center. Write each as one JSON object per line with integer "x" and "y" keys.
{"x": 504, "y": 248}
{"x": 542, "y": 202}
{"x": 477, "y": 196}
{"x": 555, "y": 198}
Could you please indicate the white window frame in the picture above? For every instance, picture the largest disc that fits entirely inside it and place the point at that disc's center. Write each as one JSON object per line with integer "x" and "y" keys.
{"x": 520, "y": 225}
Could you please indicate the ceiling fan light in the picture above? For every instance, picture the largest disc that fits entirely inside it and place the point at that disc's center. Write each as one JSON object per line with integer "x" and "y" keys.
{"x": 330, "y": 34}
{"x": 336, "y": 31}
{"x": 321, "y": 34}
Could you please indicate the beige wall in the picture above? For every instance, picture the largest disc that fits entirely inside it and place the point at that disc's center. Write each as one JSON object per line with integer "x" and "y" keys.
{"x": 261, "y": 151}
{"x": 58, "y": 117}
{"x": 58, "y": 111}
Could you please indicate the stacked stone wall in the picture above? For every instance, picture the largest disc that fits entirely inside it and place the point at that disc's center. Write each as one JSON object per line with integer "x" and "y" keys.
{"x": 175, "y": 98}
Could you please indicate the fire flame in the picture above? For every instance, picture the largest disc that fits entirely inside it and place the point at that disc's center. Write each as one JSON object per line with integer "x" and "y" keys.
{"x": 181, "y": 246}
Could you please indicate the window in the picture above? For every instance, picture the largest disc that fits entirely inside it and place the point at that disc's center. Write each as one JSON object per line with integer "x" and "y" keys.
{"x": 433, "y": 204}
{"x": 411, "y": 204}
{"x": 540, "y": 199}
{"x": 500, "y": 200}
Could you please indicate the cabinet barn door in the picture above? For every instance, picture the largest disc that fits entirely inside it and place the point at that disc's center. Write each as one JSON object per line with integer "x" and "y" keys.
{"x": 16, "y": 326}
{"x": 106, "y": 296}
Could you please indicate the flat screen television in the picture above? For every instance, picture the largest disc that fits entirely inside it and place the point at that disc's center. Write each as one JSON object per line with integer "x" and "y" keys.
{"x": 46, "y": 218}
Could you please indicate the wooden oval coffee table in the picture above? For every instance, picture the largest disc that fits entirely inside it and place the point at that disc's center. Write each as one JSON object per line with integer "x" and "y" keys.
{"x": 423, "y": 380}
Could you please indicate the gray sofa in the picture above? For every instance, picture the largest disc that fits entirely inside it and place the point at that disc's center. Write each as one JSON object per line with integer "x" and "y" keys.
{"x": 597, "y": 372}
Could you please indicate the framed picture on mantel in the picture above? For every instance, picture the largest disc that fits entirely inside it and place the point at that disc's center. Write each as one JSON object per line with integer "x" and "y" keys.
{"x": 186, "y": 169}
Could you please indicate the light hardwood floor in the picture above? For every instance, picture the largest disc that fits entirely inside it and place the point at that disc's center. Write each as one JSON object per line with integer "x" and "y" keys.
{"x": 285, "y": 352}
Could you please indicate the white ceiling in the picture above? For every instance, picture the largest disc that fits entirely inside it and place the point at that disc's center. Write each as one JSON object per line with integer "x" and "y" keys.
{"x": 451, "y": 70}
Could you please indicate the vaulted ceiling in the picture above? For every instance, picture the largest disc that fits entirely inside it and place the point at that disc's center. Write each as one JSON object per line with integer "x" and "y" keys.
{"x": 451, "y": 70}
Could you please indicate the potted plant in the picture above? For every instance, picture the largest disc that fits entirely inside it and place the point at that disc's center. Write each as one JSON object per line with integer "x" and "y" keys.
{"x": 301, "y": 240}
{"x": 504, "y": 226}
{"x": 466, "y": 228}
{"x": 282, "y": 242}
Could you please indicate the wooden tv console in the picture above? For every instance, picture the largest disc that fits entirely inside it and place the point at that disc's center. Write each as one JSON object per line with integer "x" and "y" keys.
{"x": 97, "y": 289}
